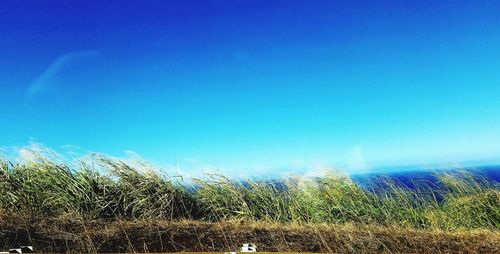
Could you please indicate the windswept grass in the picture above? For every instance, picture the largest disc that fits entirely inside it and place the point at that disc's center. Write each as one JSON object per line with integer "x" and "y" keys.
{"x": 466, "y": 201}
{"x": 100, "y": 187}
{"x": 150, "y": 236}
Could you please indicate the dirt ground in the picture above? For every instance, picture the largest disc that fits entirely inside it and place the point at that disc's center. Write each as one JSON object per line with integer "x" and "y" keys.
{"x": 114, "y": 236}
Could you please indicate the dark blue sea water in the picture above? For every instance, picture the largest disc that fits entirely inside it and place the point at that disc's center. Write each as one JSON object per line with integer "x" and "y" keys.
{"x": 424, "y": 179}
{"x": 410, "y": 177}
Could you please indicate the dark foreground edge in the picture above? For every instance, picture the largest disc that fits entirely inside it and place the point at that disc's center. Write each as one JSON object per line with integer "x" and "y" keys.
{"x": 117, "y": 236}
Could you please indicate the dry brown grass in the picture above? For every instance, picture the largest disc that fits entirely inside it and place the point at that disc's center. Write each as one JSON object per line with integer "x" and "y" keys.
{"x": 74, "y": 235}
{"x": 106, "y": 205}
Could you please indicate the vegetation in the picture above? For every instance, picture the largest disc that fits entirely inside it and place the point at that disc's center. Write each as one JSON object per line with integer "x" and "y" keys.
{"x": 120, "y": 236}
{"x": 99, "y": 188}
{"x": 102, "y": 187}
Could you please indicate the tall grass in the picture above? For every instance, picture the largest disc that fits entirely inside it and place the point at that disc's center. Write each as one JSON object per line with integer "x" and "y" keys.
{"x": 103, "y": 187}
{"x": 99, "y": 187}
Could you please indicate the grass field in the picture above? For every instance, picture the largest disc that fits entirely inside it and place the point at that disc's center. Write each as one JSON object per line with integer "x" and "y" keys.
{"x": 105, "y": 205}
{"x": 119, "y": 236}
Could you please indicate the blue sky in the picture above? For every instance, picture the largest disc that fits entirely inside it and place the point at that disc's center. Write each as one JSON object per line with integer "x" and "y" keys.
{"x": 255, "y": 85}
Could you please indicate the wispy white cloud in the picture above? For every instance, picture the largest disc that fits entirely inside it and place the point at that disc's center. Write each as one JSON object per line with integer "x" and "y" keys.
{"x": 31, "y": 152}
{"x": 357, "y": 160}
{"x": 43, "y": 81}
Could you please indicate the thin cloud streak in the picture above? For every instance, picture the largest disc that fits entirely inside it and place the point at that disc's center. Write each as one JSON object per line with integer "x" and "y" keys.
{"x": 42, "y": 82}
{"x": 357, "y": 161}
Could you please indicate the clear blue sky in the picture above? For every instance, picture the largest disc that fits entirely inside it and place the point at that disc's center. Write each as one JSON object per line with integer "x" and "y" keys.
{"x": 251, "y": 85}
